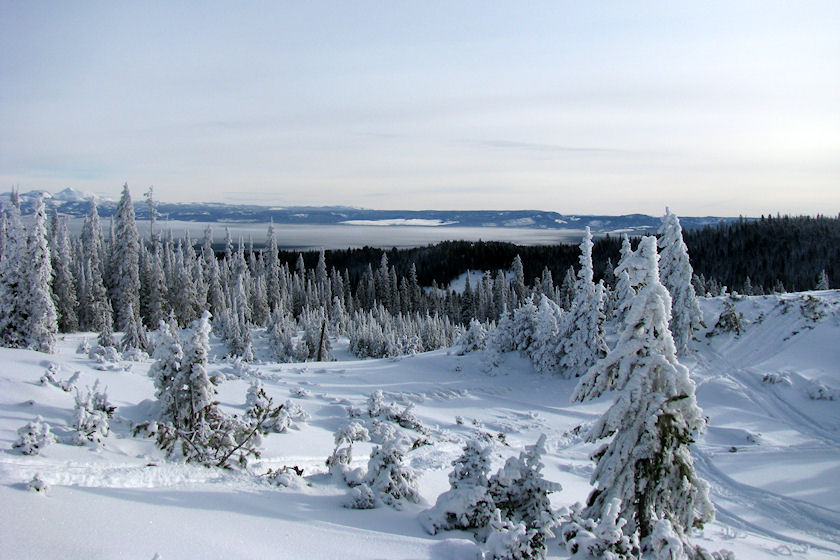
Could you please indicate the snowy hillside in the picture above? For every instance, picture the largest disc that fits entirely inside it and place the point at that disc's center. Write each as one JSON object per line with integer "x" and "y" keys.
{"x": 771, "y": 451}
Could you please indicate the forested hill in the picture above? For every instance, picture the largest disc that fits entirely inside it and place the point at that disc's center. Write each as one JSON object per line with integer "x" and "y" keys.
{"x": 782, "y": 253}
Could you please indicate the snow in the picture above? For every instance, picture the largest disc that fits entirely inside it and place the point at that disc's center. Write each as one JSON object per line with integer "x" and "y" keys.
{"x": 771, "y": 453}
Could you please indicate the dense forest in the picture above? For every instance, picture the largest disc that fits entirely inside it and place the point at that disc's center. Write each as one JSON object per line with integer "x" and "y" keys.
{"x": 782, "y": 253}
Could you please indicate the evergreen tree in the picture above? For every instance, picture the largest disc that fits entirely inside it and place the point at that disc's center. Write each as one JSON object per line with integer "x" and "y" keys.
{"x": 822, "y": 281}
{"x": 391, "y": 480}
{"x": 623, "y": 293}
{"x": 567, "y": 289}
{"x": 518, "y": 283}
{"x": 520, "y": 492}
{"x": 646, "y": 465}
{"x": 14, "y": 312}
{"x": 583, "y": 342}
{"x": 467, "y": 504}
{"x": 63, "y": 284}
{"x": 168, "y": 356}
{"x": 676, "y": 273}
{"x": 42, "y": 324}
{"x": 548, "y": 327}
{"x": 125, "y": 260}
{"x": 93, "y": 303}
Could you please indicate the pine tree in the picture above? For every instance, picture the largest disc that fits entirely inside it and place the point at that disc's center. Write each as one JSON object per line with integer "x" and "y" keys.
{"x": 93, "y": 301}
{"x": 583, "y": 342}
{"x": 125, "y": 260}
{"x": 518, "y": 283}
{"x": 548, "y": 327}
{"x": 520, "y": 492}
{"x": 168, "y": 356}
{"x": 42, "y": 324}
{"x": 63, "y": 284}
{"x": 14, "y": 311}
{"x": 646, "y": 464}
{"x": 391, "y": 480}
{"x": 676, "y": 274}
{"x": 467, "y": 504}
{"x": 822, "y": 281}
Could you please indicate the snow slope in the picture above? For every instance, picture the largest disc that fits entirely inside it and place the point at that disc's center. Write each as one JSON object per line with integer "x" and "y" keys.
{"x": 771, "y": 452}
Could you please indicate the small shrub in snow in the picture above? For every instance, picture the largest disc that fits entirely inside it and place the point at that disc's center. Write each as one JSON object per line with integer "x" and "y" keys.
{"x": 65, "y": 385}
{"x": 382, "y": 432}
{"x": 342, "y": 455}
{"x": 728, "y": 321}
{"x": 37, "y": 484}
{"x": 34, "y": 437}
{"x": 819, "y": 392}
{"x": 667, "y": 545}
{"x": 106, "y": 357}
{"x": 377, "y": 408}
{"x": 288, "y": 416}
{"x": 91, "y": 416}
{"x": 813, "y": 309}
{"x": 300, "y": 393}
{"x": 521, "y": 493}
{"x": 665, "y": 542}
{"x": 288, "y": 477}
{"x": 83, "y": 347}
{"x": 776, "y": 379}
{"x": 49, "y": 375}
{"x": 360, "y": 497}
{"x": 467, "y": 504}
{"x": 390, "y": 479}
{"x": 510, "y": 541}
{"x": 586, "y": 539}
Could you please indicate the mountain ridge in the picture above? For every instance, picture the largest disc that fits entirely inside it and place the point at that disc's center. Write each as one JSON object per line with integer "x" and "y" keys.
{"x": 74, "y": 203}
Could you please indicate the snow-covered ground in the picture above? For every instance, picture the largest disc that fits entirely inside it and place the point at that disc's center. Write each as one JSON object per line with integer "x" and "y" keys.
{"x": 771, "y": 451}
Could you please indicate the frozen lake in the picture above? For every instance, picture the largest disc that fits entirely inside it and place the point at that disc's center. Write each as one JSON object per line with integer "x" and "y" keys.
{"x": 343, "y": 236}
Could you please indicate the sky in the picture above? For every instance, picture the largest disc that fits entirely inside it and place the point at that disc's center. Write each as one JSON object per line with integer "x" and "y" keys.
{"x": 712, "y": 108}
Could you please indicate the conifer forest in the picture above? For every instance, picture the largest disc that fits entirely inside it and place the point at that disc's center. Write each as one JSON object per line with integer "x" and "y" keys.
{"x": 237, "y": 364}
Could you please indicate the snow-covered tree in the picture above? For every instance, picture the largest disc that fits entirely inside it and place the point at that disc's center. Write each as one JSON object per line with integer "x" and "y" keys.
{"x": 520, "y": 492}
{"x": 168, "y": 356}
{"x": 548, "y": 328}
{"x": 93, "y": 300}
{"x": 63, "y": 284}
{"x": 511, "y": 540}
{"x": 91, "y": 415}
{"x": 41, "y": 320}
{"x": 583, "y": 342}
{"x": 34, "y": 437}
{"x": 647, "y": 463}
{"x": 125, "y": 261}
{"x": 518, "y": 283}
{"x": 467, "y": 504}
{"x": 676, "y": 273}
{"x": 474, "y": 338}
{"x": 822, "y": 281}
{"x": 623, "y": 293}
{"x": 524, "y": 325}
{"x": 14, "y": 313}
{"x": 391, "y": 480}
{"x": 589, "y": 539}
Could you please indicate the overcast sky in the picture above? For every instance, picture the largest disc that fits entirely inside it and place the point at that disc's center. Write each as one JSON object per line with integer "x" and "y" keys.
{"x": 714, "y": 108}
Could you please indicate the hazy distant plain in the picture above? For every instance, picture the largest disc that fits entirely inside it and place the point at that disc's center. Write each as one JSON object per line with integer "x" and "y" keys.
{"x": 304, "y": 237}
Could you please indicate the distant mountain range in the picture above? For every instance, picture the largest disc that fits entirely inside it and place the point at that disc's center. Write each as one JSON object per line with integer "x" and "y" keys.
{"x": 74, "y": 203}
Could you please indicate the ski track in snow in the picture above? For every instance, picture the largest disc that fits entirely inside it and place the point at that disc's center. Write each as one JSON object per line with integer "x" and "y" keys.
{"x": 795, "y": 514}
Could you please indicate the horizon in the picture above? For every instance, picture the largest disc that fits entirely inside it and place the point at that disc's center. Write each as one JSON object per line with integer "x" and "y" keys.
{"x": 714, "y": 109}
